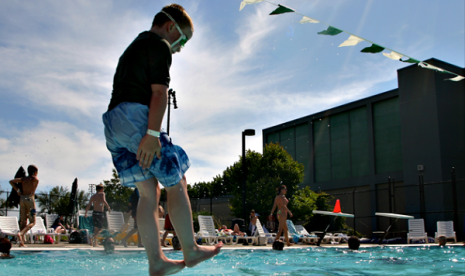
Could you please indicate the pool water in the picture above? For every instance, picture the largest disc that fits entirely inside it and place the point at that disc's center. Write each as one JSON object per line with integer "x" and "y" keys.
{"x": 308, "y": 261}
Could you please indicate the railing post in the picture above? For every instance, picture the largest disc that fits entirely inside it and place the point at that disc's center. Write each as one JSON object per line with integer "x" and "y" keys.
{"x": 454, "y": 196}
{"x": 389, "y": 194}
{"x": 422, "y": 195}
{"x": 353, "y": 204}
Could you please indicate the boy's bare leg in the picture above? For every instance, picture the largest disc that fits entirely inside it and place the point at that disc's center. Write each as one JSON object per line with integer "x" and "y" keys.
{"x": 94, "y": 238}
{"x": 139, "y": 239}
{"x": 147, "y": 218}
{"x": 179, "y": 208}
{"x": 128, "y": 235}
{"x": 21, "y": 240}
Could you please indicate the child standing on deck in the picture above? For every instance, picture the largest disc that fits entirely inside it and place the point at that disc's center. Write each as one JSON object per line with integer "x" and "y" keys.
{"x": 98, "y": 216}
{"x": 141, "y": 154}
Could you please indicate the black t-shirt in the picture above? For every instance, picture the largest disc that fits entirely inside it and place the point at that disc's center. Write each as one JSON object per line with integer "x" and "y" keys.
{"x": 146, "y": 61}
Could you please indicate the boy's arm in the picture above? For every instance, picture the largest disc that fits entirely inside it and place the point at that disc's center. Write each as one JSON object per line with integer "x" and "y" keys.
{"x": 13, "y": 183}
{"x": 106, "y": 203}
{"x": 149, "y": 145}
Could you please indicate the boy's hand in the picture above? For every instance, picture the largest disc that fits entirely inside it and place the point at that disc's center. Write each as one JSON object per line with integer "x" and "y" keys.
{"x": 148, "y": 147}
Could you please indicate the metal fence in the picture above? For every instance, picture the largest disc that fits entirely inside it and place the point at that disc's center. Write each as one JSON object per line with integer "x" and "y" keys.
{"x": 434, "y": 201}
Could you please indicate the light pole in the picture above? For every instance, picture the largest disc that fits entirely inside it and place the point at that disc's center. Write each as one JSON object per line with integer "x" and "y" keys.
{"x": 171, "y": 92}
{"x": 247, "y": 132}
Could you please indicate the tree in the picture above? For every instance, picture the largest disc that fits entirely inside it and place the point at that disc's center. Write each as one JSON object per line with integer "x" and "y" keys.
{"x": 2, "y": 206}
{"x": 305, "y": 201}
{"x": 57, "y": 200}
{"x": 116, "y": 194}
{"x": 264, "y": 175}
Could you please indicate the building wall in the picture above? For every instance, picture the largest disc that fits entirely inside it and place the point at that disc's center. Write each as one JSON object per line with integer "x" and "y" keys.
{"x": 363, "y": 143}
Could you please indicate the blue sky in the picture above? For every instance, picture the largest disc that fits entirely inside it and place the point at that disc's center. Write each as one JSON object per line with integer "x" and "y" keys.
{"x": 242, "y": 69}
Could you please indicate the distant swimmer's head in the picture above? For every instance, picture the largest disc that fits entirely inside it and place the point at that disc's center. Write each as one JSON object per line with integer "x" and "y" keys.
{"x": 32, "y": 170}
{"x": 5, "y": 246}
{"x": 179, "y": 28}
{"x": 442, "y": 240}
{"x": 354, "y": 243}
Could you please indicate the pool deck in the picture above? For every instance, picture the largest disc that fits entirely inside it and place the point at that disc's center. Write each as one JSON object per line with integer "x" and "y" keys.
{"x": 64, "y": 246}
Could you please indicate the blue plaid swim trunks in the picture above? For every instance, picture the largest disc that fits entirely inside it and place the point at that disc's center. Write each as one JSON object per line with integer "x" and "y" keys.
{"x": 125, "y": 125}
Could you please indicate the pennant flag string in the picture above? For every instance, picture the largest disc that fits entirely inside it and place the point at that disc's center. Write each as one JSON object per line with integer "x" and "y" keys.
{"x": 353, "y": 39}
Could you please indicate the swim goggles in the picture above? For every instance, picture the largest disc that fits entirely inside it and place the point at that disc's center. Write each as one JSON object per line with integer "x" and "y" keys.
{"x": 183, "y": 39}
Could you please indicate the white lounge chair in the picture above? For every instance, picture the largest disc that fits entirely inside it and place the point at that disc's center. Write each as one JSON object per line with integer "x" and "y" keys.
{"x": 307, "y": 238}
{"x": 115, "y": 221}
{"x": 291, "y": 231}
{"x": 261, "y": 235}
{"x": 416, "y": 230}
{"x": 209, "y": 233}
{"x": 445, "y": 228}
{"x": 39, "y": 230}
{"x": 49, "y": 220}
{"x": 9, "y": 226}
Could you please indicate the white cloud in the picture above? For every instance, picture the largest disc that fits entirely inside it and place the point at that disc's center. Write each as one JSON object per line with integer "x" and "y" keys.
{"x": 60, "y": 150}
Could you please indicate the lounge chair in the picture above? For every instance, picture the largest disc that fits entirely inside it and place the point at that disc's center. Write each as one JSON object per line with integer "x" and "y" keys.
{"x": 9, "y": 226}
{"x": 307, "y": 238}
{"x": 416, "y": 230}
{"x": 209, "y": 233}
{"x": 261, "y": 235}
{"x": 49, "y": 220}
{"x": 115, "y": 221}
{"x": 445, "y": 228}
{"x": 292, "y": 232}
{"x": 39, "y": 229}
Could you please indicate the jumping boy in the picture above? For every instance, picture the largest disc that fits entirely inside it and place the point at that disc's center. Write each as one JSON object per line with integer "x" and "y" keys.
{"x": 98, "y": 216}
{"x": 141, "y": 154}
{"x": 27, "y": 204}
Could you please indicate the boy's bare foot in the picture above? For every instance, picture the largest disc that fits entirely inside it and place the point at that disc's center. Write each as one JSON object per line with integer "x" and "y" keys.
{"x": 200, "y": 254}
{"x": 165, "y": 266}
{"x": 21, "y": 243}
{"x": 125, "y": 244}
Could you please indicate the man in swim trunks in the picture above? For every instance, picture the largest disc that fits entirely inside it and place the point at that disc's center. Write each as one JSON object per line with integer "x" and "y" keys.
{"x": 98, "y": 216}
{"x": 141, "y": 154}
{"x": 27, "y": 204}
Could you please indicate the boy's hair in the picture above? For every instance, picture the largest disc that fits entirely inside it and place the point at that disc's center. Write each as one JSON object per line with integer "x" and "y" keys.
{"x": 99, "y": 187}
{"x": 32, "y": 169}
{"x": 354, "y": 243}
{"x": 442, "y": 239}
{"x": 5, "y": 245}
{"x": 177, "y": 12}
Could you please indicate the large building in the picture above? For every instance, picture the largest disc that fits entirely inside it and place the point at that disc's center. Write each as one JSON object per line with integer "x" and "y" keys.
{"x": 410, "y": 135}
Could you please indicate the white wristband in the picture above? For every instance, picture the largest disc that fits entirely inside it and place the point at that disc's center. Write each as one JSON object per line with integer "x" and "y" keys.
{"x": 153, "y": 133}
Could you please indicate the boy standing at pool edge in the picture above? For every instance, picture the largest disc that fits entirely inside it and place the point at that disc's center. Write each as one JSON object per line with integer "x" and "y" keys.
{"x": 141, "y": 154}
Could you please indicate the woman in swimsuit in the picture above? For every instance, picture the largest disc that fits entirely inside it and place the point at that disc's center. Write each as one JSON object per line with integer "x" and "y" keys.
{"x": 281, "y": 202}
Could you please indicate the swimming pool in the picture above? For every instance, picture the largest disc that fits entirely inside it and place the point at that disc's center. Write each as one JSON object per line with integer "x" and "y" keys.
{"x": 424, "y": 260}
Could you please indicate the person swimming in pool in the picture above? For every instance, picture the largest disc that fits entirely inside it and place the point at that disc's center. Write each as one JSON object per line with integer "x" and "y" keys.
{"x": 281, "y": 203}
{"x": 142, "y": 154}
{"x": 5, "y": 246}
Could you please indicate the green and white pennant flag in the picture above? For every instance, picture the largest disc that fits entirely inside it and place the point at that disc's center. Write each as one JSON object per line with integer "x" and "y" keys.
{"x": 429, "y": 66}
{"x": 245, "y": 2}
{"x": 458, "y": 78}
{"x": 307, "y": 19}
{"x": 351, "y": 41}
{"x": 393, "y": 55}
